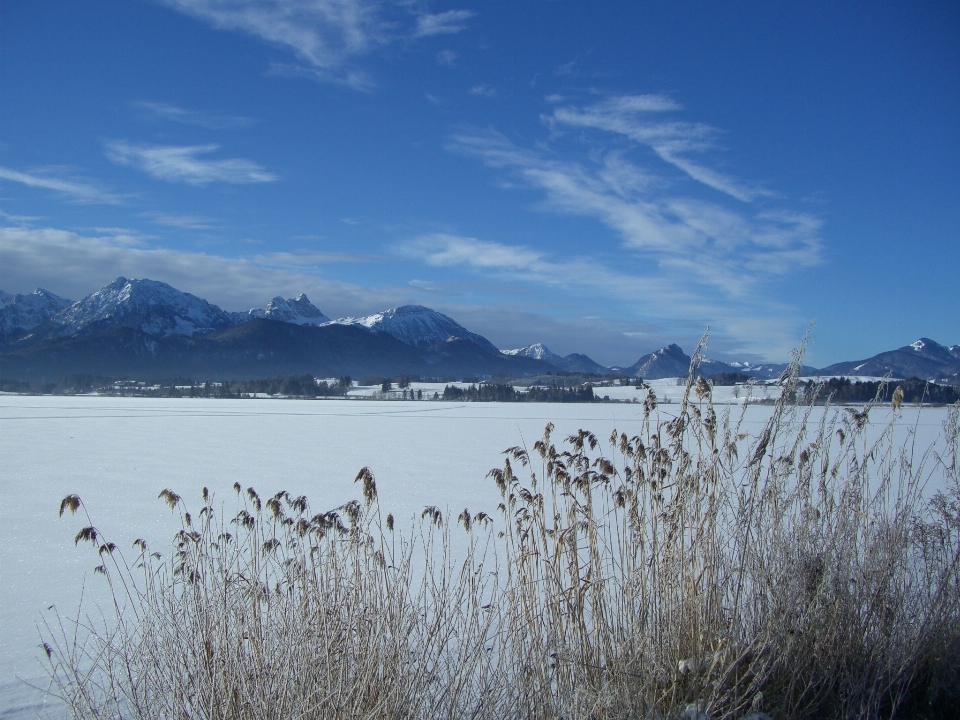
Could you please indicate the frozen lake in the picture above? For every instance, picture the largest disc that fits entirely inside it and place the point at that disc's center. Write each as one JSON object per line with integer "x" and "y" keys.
{"x": 118, "y": 453}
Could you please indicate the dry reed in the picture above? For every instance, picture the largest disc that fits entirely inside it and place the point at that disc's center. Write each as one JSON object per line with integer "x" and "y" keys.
{"x": 692, "y": 571}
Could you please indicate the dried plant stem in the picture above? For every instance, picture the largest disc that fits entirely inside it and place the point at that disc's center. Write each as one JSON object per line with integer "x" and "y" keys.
{"x": 663, "y": 575}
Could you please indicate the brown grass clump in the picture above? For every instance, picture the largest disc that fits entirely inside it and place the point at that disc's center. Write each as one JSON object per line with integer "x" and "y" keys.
{"x": 688, "y": 571}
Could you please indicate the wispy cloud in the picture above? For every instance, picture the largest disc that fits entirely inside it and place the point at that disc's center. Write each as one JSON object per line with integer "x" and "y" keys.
{"x": 311, "y": 258}
{"x": 656, "y": 296}
{"x": 713, "y": 257}
{"x": 211, "y": 121}
{"x": 725, "y": 249}
{"x": 483, "y": 90}
{"x": 445, "y": 23}
{"x": 175, "y": 163}
{"x": 443, "y": 250}
{"x": 353, "y": 77}
{"x": 518, "y": 263}
{"x": 185, "y": 222}
{"x": 326, "y": 36}
{"x": 446, "y": 57}
{"x": 18, "y": 219}
{"x": 636, "y": 117}
{"x": 76, "y": 190}
{"x": 87, "y": 262}
{"x": 323, "y": 34}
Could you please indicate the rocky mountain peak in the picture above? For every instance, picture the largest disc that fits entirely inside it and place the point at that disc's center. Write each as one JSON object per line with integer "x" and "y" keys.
{"x": 537, "y": 351}
{"x": 20, "y": 314}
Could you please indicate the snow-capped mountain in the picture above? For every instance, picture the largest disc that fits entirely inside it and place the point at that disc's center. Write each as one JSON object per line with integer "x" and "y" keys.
{"x": 150, "y": 329}
{"x": 766, "y": 371}
{"x": 574, "y": 362}
{"x": 418, "y": 326}
{"x": 537, "y": 351}
{"x": 298, "y": 310}
{"x": 669, "y": 361}
{"x": 672, "y": 361}
{"x": 176, "y": 329}
{"x": 21, "y": 313}
{"x": 155, "y": 308}
{"x": 922, "y": 358}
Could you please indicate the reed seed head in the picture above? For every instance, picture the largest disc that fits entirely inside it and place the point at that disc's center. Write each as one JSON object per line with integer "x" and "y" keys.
{"x": 71, "y": 503}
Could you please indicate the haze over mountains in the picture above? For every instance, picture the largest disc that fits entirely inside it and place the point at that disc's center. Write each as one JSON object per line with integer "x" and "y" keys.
{"x": 147, "y": 328}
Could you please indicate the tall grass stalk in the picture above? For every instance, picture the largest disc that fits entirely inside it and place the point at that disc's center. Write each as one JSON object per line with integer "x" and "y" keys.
{"x": 686, "y": 570}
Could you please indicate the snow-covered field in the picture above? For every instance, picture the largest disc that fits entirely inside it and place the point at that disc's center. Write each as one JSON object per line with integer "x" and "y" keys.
{"x": 118, "y": 453}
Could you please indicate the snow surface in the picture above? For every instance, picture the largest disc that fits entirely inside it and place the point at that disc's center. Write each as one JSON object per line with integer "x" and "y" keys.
{"x": 118, "y": 453}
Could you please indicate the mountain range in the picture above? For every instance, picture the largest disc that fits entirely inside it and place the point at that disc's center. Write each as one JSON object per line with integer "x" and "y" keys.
{"x": 146, "y": 328}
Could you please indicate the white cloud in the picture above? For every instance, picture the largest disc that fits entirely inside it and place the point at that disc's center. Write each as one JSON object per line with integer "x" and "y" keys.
{"x": 672, "y": 141}
{"x": 85, "y": 263}
{"x": 528, "y": 265}
{"x": 446, "y": 250}
{"x": 19, "y": 219}
{"x": 185, "y": 222}
{"x": 352, "y": 77}
{"x": 445, "y": 23}
{"x": 211, "y": 121}
{"x": 311, "y": 259}
{"x": 658, "y": 299}
{"x": 326, "y": 36}
{"x": 76, "y": 190}
{"x": 483, "y": 90}
{"x": 721, "y": 248}
{"x": 322, "y": 33}
{"x": 182, "y": 163}
{"x": 715, "y": 260}
{"x": 446, "y": 57}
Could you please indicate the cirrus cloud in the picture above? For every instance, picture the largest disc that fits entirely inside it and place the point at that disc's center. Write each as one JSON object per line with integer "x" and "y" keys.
{"x": 326, "y": 36}
{"x": 76, "y": 190}
{"x": 673, "y": 141}
{"x": 86, "y": 262}
{"x": 658, "y": 299}
{"x": 183, "y": 163}
{"x": 723, "y": 248}
{"x": 210, "y": 121}
{"x": 444, "y": 23}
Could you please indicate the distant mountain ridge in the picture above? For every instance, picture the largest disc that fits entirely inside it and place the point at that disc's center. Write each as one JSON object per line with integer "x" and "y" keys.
{"x": 923, "y": 358}
{"x": 298, "y": 310}
{"x": 254, "y": 349}
{"x": 153, "y": 307}
{"x": 147, "y": 324}
{"x": 148, "y": 328}
{"x": 418, "y": 326}
{"x": 538, "y": 351}
{"x": 21, "y": 313}
{"x": 575, "y": 362}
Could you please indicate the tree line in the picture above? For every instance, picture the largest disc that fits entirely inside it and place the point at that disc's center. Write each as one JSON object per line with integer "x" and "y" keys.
{"x": 296, "y": 385}
{"x": 496, "y": 392}
{"x": 915, "y": 390}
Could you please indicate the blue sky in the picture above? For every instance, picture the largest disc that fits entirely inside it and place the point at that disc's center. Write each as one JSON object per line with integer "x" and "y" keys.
{"x": 601, "y": 177}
